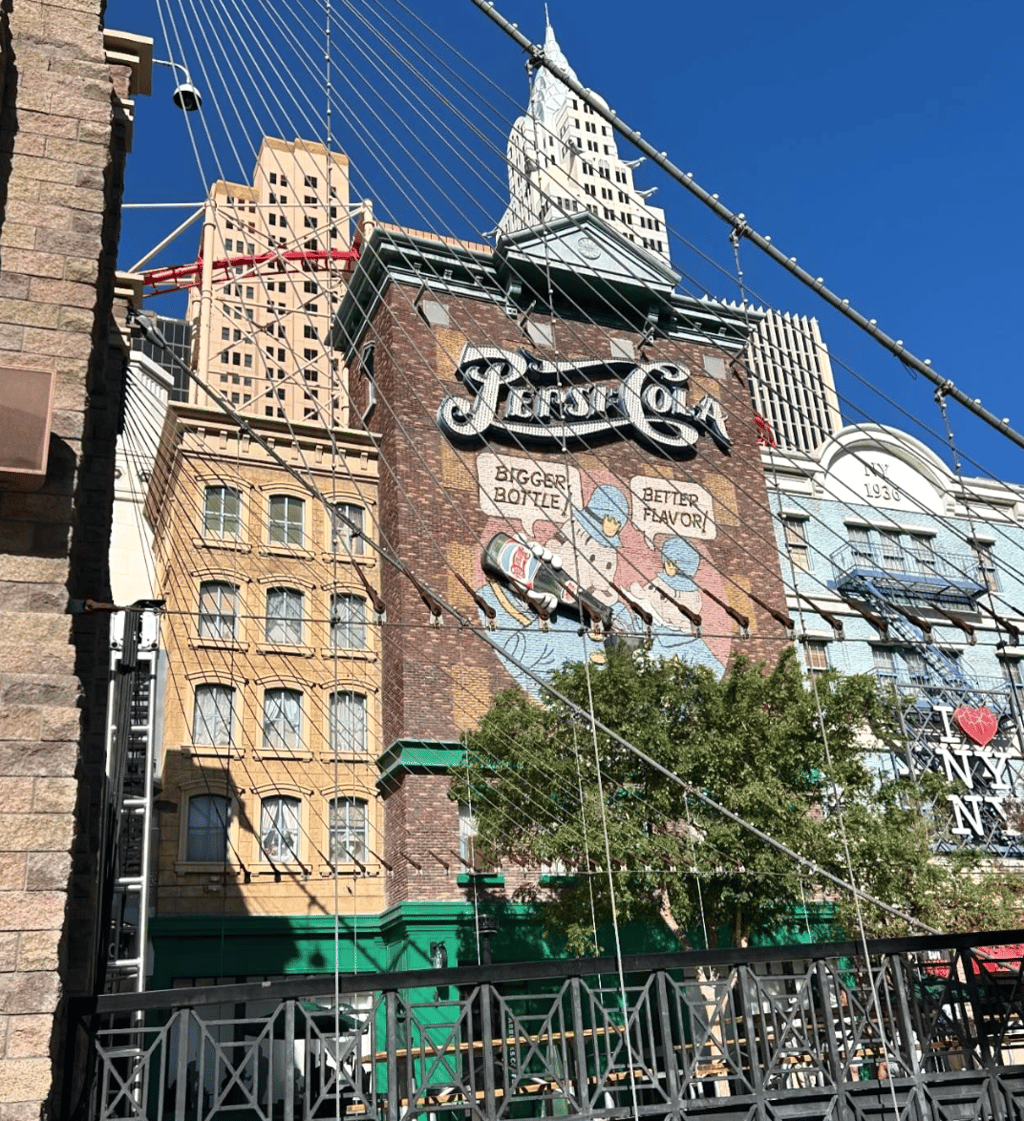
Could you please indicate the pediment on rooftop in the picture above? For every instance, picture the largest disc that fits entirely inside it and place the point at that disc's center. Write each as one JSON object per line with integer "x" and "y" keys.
{"x": 584, "y": 246}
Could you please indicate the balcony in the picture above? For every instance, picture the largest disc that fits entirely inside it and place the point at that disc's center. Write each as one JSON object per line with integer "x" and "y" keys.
{"x": 929, "y": 689}
{"x": 951, "y": 579}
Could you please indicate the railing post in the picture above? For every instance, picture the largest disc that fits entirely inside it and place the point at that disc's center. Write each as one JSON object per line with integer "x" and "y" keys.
{"x": 489, "y": 1050}
{"x": 181, "y": 1087}
{"x": 391, "y": 1051}
{"x": 289, "y": 1071}
{"x": 667, "y": 1042}
{"x": 579, "y": 1046}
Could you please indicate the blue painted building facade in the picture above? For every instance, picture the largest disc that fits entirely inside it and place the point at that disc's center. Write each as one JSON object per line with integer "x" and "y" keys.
{"x": 898, "y": 567}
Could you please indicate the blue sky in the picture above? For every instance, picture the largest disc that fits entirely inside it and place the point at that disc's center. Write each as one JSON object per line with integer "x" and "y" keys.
{"x": 879, "y": 143}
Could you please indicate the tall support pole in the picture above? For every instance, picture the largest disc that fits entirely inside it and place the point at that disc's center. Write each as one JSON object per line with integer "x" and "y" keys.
{"x": 206, "y": 293}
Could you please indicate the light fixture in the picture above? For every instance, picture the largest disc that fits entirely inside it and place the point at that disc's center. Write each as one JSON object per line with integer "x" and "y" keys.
{"x": 186, "y": 96}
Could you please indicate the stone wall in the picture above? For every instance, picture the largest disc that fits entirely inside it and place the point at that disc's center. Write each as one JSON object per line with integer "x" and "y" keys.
{"x": 63, "y": 135}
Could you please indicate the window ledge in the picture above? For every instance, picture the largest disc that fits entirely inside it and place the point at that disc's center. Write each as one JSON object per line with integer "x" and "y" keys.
{"x": 217, "y": 644}
{"x": 206, "y": 868}
{"x": 285, "y": 648}
{"x": 290, "y": 868}
{"x": 227, "y": 543}
{"x": 296, "y": 551}
{"x": 327, "y": 872}
{"x": 211, "y": 751}
{"x": 353, "y": 652}
{"x": 364, "y": 560}
{"x": 296, "y": 756}
{"x": 348, "y": 756}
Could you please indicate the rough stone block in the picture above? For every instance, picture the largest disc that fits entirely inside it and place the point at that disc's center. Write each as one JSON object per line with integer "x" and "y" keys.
{"x": 37, "y": 689}
{"x": 38, "y": 950}
{"x": 16, "y": 794}
{"x": 60, "y": 724}
{"x": 56, "y": 795}
{"x": 29, "y": 1037}
{"x": 47, "y": 872}
{"x": 24, "y": 1080}
{"x": 34, "y": 832}
{"x": 29, "y": 991}
{"x": 8, "y": 951}
{"x": 12, "y": 871}
{"x": 35, "y": 570}
{"x": 19, "y": 757}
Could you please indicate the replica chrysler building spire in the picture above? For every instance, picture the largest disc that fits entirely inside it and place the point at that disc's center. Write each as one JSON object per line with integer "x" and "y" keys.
{"x": 562, "y": 159}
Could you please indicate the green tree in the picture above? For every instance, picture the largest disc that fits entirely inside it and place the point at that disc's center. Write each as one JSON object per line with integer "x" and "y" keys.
{"x": 788, "y": 759}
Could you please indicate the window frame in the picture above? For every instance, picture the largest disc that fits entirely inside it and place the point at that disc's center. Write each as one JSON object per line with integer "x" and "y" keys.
{"x": 336, "y": 830}
{"x": 205, "y": 688}
{"x": 794, "y": 535}
{"x": 276, "y": 738}
{"x": 206, "y": 831}
{"x": 221, "y": 533}
{"x": 210, "y": 620}
{"x": 285, "y": 620}
{"x": 342, "y": 735}
{"x": 355, "y": 542}
{"x": 289, "y": 852}
{"x": 350, "y": 628}
{"x": 819, "y": 646}
{"x": 281, "y": 531}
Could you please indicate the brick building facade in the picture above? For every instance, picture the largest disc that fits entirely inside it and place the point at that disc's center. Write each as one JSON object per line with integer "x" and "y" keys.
{"x": 423, "y": 324}
{"x": 65, "y": 130}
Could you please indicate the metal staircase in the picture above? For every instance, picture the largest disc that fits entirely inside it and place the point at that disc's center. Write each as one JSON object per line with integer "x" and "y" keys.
{"x": 129, "y": 804}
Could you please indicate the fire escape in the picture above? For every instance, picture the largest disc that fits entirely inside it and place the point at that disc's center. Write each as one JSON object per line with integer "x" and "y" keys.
{"x": 892, "y": 586}
{"x": 128, "y": 808}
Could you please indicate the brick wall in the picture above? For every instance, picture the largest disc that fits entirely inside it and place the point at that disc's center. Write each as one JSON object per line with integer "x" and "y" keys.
{"x": 439, "y": 681}
{"x": 61, "y": 160}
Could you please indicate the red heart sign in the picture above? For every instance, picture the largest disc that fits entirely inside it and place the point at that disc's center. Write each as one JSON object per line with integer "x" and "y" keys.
{"x": 978, "y": 724}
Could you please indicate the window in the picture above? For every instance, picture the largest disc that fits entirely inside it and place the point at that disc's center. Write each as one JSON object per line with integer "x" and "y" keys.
{"x": 917, "y": 667}
{"x": 467, "y": 835}
{"x": 212, "y": 715}
{"x": 921, "y": 549}
{"x": 309, "y": 181}
{"x": 883, "y": 661}
{"x": 348, "y": 722}
{"x": 222, "y": 512}
{"x": 892, "y": 550}
{"x": 308, "y": 331}
{"x": 348, "y": 830}
{"x": 795, "y": 532}
{"x": 284, "y": 616}
{"x": 816, "y": 653}
{"x": 987, "y": 573}
{"x": 218, "y": 609}
{"x": 347, "y": 529}
{"x": 860, "y": 540}
{"x": 279, "y": 828}
{"x": 207, "y": 838}
{"x": 282, "y": 718}
{"x": 1011, "y": 670}
{"x": 348, "y": 622}
{"x": 286, "y": 518}
{"x": 309, "y": 221}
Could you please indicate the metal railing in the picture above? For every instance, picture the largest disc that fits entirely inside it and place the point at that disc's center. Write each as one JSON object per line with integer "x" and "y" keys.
{"x": 920, "y": 573}
{"x": 916, "y": 1028}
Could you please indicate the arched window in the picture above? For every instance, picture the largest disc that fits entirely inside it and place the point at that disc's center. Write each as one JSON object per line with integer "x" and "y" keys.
{"x": 348, "y": 622}
{"x": 212, "y": 715}
{"x": 206, "y": 840}
{"x": 347, "y": 529}
{"x": 284, "y": 616}
{"x": 222, "y": 512}
{"x": 348, "y": 722}
{"x": 348, "y": 830}
{"x": 279, "y": 828}
{"x": 287, "y": 515}
{"x": 218, "y": 609}
{"x": 282, "y": 718}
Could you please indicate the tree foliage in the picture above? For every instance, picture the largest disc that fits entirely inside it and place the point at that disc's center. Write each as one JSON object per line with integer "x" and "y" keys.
{"x": 793, "y": 761}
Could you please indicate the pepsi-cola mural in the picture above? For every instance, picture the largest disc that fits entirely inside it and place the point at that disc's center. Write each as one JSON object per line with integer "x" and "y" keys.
{"x": 588, "y": 555}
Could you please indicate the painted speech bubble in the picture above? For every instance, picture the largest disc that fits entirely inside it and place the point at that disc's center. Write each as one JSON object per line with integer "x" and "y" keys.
{"x": 527, "y": 491}
{"x": 665, "y": 507}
